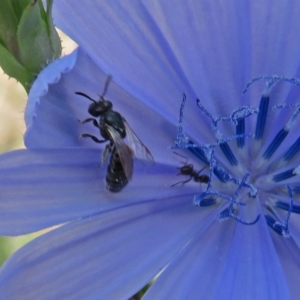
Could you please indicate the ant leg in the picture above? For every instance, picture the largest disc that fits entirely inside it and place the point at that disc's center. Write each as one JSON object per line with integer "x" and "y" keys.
{"x": 182, "y": 182}
{"x": 84, "y": 135}
{"x": 201, "y": 170}
{"x": 95, "y": 122}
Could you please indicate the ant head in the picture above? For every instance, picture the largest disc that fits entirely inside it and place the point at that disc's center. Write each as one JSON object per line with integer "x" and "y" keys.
{"x": 186, "y": 170}
{"x": 100, "y": 107}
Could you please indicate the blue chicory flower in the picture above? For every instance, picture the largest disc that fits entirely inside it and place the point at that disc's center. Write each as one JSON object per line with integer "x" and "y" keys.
{"x": 114, "y": 244}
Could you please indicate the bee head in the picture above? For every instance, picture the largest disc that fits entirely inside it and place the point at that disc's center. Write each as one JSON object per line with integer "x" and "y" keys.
{"x": 98, "y": 108}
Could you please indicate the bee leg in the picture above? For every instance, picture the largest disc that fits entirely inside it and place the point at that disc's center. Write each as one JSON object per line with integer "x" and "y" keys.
{"x": 84, "y": 135}
{"x": 95, "y": 122}
{"x": 105, "y": 152}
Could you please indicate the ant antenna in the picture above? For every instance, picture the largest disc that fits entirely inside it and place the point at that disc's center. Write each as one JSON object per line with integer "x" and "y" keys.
{"x": 107, "y": 82}
{"x": 186, "y": 159}
{"x": 86, "y": 96}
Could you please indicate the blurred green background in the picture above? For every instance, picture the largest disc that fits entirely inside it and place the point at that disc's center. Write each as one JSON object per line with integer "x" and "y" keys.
{"x": 12, "y": 127}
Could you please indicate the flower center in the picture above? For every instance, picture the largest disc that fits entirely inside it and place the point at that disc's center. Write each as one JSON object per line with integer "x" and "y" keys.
{"x": 252, "y": 181}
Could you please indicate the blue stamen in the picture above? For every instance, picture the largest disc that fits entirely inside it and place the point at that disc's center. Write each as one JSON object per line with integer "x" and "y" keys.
{"x": 273, "y": 79}
{"x": 207, "y": 202}
{"x": 181, "y": 138}
{"x": 276, "y": 226}
{"x": 222, "y": 176}
{"x": 282, "y": 229}
{"x": 279, "y": 138}
{"x": 209, "y": 192}
{"x": 296, "y": 146}
{"x": 225, "y": 214}
{"x": 242, "y": 112}
{"x": 286, "y": 222}
{"x": 262, "y": 116}
{"x": 293, "y": 150}
{"x": 198, "y": 152}
{"x": 205, "y": 111}
{"x": 296, "y": 190}
{"x": 214, "y": 120}
{"x": 240, "y": 130}
{"x": 284, "y": 175}
{"x": 285, "y": 206}
{"x": 216, "y": 169}
{"x": 242, "y": 193}
{"x": 229, "y": 154}
{"x": 229, "y": 213}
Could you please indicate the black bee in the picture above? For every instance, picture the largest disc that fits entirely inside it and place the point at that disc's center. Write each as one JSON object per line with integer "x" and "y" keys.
{"x": 189, "y": 171}
{"x": 114, "y": 128}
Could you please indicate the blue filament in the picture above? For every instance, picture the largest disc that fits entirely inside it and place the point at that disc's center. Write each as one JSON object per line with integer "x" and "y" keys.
{"x": 180, "y": 135}
{"x": 222, "y": 176}
{"x": 272, "y": 79}
{"x": 239, "y": 192}
{"x": 229, "y": 154}
{"x": 198, "y": 152}
{"x": 207, "y": 202}
{"x": 284, "y": 175}
{"x": 276, "y": 226}
{"x": 205, "y": 111}
{"x": 293, "y": 150}
{"x": 279, "y": 138}
{"x": 296, "y": 190}
{"x": 282, "y": 229}
{"x": 285, "y": 206}
{"x": 229, "y": 213}
{"x": 262, "y": 117}
{"x": 240, "y": 130}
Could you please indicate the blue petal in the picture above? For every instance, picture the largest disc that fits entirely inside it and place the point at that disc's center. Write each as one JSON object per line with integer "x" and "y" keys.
{"x": 42, "y": 188}
{"x": 225, "y": 261}
{"x": 289, "y": 251}
{"x": 53, "y": 112}
{"x": 208, "y": 49}
{"x": 50, "y": 75}
{"x": 87, "y": 258}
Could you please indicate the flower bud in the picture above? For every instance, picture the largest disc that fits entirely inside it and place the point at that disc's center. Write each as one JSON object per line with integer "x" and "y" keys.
{"x": 28, "y": 39}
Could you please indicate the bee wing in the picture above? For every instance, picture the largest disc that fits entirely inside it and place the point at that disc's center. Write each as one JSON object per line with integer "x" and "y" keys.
{"x": 125, "y": 153}
{"x": 139, "y": 149}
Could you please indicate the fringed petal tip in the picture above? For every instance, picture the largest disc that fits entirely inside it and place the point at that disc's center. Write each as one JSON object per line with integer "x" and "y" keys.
{"x": 50, "y": 75}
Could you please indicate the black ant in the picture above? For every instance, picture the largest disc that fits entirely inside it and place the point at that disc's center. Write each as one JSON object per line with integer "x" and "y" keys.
{"x": 188, "y": 169}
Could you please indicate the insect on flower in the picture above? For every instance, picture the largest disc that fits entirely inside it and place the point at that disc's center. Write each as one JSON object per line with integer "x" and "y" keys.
{"x": 114, "y": 128}
{"x": 188, "y": 169}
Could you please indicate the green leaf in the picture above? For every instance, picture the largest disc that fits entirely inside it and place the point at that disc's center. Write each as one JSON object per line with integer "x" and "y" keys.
{"x": 34, "y": 42}
{"x": 8, "y": 26}
{"x": 55, "y": 39}
{"x": 19, "y": 6}
{"x": 28, "y": 38}
{"x": 14, "y": 69}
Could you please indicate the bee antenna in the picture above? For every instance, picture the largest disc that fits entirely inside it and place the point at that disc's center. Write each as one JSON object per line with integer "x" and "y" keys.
{"x": 107, "y": 82}
{"x": 86, "y": 96}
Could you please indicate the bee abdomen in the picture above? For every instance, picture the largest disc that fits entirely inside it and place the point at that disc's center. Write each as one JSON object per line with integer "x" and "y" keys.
{"x": 116, "y": 179}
